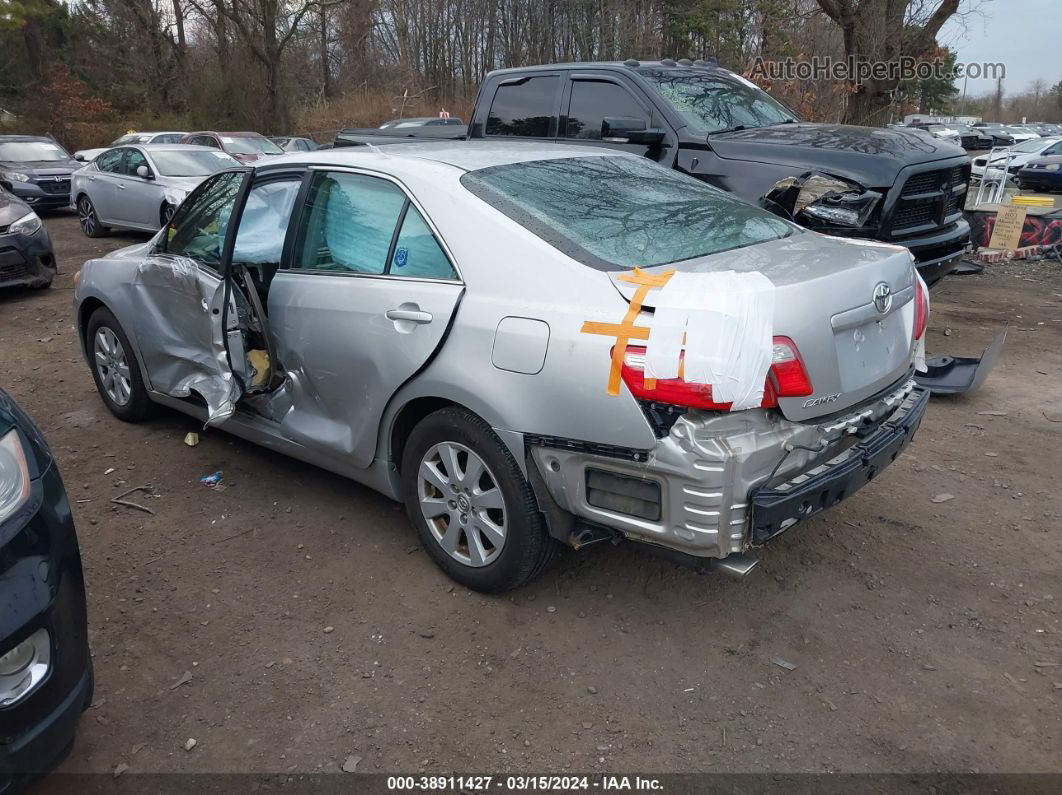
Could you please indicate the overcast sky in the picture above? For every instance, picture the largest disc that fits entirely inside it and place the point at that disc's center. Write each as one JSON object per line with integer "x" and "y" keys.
{"x": 1026, "y": 35}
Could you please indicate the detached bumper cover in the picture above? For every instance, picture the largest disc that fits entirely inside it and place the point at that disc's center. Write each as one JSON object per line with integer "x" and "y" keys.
{"x": 957, "y": 375}
{"x": 779, "y": 508}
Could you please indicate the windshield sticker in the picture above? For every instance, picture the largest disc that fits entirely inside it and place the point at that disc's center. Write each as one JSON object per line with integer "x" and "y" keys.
{"x": 401, "y": 257}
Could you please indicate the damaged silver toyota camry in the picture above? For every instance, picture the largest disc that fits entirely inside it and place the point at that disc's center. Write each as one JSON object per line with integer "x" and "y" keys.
{"x": 527, "y": 345}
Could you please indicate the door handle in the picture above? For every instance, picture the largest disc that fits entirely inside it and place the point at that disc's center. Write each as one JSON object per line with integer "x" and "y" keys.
{"x": 121, "y": 187}
{"x": 412, "y": 315}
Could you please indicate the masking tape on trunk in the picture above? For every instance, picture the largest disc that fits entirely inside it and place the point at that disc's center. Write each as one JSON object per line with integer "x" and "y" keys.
{"x": 625, "y": 331}
{"x": 723, "y": 321}
{"x": 727, "y": 319}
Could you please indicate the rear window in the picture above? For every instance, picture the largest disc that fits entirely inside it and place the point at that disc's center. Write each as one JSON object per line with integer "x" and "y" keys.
{"x": 616, "y": 212}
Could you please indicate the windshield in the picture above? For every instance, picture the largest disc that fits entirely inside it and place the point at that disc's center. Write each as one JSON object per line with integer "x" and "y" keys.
{"x": 616, "y": 212}
{"x": 250, "y": 145}
{"x": 712, "y": 103}
{"x": 193, "y": 163}
{"x": 31, "y": 151}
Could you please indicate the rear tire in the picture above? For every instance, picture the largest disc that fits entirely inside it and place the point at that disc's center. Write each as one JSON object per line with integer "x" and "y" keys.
{"x": 115, "y": 369}
{"x": 89, "y": 220}
{"x": 473, "y": 510}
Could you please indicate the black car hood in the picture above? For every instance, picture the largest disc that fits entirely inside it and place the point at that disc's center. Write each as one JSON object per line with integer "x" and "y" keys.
{"x": 11, "y": 209}
{"x": 42, "y": 168}
{"x": 873, "y": 156}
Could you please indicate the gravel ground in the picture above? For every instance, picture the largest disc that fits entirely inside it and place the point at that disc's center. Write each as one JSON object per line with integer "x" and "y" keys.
{"x": 290, "y": 621}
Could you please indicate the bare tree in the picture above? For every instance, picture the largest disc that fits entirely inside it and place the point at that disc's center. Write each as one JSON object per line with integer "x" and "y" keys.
{"x": 882, "y": 31}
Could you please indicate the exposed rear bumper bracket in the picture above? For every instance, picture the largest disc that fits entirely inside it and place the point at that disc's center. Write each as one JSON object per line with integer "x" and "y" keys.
{"x": 779, "y": 508}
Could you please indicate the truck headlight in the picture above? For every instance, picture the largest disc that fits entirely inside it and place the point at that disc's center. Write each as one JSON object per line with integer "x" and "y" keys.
{"x": 26, "y": 225}
{"x": 14, "y": 475}
{"x": 836, "y": 201}
{"x": 14, "y": 176}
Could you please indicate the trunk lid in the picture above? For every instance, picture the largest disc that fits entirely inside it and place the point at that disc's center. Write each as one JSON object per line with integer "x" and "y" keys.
{"x": 824, "y": 302}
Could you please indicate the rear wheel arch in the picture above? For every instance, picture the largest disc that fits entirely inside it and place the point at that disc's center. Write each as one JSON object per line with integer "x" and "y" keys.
{"x": 520, "y": 546}
{"x": 406, "y": 420}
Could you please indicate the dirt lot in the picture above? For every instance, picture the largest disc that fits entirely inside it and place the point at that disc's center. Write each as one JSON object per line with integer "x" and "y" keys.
{"x": 306, "y": 625}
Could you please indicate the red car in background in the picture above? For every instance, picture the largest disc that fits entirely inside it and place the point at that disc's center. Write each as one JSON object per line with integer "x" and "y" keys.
{"x": 247, "y": 147}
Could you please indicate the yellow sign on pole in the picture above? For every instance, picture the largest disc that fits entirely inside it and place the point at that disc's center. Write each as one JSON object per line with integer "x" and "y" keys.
{"x": 1006, "y": 233}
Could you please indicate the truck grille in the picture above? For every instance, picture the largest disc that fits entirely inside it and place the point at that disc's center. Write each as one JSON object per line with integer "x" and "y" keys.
{"x": 930, "y": 200}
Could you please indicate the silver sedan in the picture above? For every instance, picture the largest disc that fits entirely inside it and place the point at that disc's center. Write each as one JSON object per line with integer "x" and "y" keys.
{"x": 140, "y": 187}
{"x": 529, "y": 345}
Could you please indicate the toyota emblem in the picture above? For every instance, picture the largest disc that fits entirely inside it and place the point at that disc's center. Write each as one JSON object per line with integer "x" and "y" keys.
{"x": 882, "y": 298}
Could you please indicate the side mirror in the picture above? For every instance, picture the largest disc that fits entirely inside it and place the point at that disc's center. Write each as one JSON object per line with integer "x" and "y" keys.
{"x": 622, "y": 129}
{"x": 144, "y": 172}
{"x": 651, "y": 137}
{"x": 79, "y": 157}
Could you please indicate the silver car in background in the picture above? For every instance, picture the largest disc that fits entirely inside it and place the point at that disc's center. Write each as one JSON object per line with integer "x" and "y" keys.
{"x": 463, "y": 327}
{"x": 140, "y": 187}
{"x": 169, "y": 137}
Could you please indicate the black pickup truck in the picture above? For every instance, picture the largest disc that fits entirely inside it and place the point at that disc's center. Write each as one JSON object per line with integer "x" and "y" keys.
{"x": 898, "y": 186}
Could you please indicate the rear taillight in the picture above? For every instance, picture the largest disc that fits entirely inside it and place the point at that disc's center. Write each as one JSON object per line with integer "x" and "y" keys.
{"x": 788, "y": 371}
{"x": 787, "y": 378}
{"x": 921, "y": 309}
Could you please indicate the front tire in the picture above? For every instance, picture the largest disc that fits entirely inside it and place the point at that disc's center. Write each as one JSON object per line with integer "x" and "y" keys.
{"x": 89, "y": 220}
{"x": 115, "y": 369}
{"x": 474, "y": 511}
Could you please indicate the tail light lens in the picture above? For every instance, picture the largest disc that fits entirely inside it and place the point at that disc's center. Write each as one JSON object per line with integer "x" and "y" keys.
{"x": 788, "y": 371}
{"x": 787, "y": 378}
{"x": 921, "y": 309}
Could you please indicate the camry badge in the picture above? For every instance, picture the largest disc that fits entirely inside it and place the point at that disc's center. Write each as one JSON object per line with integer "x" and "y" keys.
{"x": 882, "y": 298}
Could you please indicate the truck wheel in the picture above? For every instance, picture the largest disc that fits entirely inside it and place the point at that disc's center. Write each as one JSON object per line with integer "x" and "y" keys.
{"x": 115, "y": 369}
{"x": 474, "y": 512}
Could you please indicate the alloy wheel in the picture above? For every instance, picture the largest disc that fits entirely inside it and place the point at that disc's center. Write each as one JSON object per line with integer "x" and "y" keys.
{"x": 86, "y": 216}
{"x": 112, "y": 366}
{"x": 462, "y": 504}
